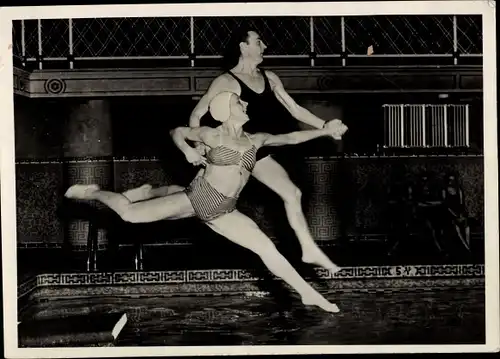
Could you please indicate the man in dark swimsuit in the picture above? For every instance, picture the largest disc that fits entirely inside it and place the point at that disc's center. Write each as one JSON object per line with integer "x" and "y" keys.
{"x": 269, "y": 107}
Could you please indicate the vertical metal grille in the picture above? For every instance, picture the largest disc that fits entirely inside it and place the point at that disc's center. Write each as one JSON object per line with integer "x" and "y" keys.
{"x": 419, "y": 126}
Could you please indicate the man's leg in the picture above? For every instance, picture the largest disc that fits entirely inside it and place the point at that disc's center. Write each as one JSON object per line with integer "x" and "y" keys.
{"x": 274, "y": 176}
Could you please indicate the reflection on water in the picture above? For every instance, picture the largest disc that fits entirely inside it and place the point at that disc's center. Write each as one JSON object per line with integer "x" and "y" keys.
{"x": 402, "y": 316}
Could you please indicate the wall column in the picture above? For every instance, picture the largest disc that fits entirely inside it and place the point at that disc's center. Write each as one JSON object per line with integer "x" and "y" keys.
{"x": 88, "y": 150}
{"x": 324, "y": 203}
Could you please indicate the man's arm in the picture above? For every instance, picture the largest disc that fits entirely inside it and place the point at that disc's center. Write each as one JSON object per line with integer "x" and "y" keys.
{"x": 181, "y": 134}
{"x": 217, "y": 86}
{"x": 204, "y": 135}
{"x": 298, "y": 112}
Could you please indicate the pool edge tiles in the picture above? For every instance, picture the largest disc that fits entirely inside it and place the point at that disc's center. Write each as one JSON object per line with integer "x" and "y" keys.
{"x": 347, "y": 277}
{"x": 248, "y": 288}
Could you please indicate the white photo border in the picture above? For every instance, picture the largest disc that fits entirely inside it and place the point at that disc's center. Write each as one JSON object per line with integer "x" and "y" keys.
{"x": 486, "y": 8}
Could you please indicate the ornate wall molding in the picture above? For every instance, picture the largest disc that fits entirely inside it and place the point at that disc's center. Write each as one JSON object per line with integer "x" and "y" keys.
{"x": 194, "y": 81}
{"x": 21, "y": 82}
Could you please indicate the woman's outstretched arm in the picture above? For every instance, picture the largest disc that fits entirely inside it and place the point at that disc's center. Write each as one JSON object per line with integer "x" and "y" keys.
{"x": 294, "y": 138}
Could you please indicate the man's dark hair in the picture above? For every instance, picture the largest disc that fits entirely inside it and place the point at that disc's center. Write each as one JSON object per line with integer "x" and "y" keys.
{"x": 232, "y": 51}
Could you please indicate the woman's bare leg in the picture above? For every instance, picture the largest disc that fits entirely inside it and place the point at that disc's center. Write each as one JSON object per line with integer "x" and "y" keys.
{"x": 274, "y": 176}
{"x": 147, "y": 191}
{"x": 241, "y": 230}
{"x": 165, "y": 190}
{"x": 174, "y": 206}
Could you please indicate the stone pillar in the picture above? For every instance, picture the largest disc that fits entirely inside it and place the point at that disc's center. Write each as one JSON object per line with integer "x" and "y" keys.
{"x": 324, "y": 202}
{"x": 88, "y": 149}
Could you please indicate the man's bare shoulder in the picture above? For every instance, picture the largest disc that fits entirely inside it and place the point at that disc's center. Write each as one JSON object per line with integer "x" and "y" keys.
{"x": 210, "y": 136}
{"x": 224, "y": 81}
{"x": 208, "y": 131}
{"x": 273, "y": 78}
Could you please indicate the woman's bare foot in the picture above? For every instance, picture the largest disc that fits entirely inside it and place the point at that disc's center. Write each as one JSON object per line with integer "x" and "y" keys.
{"x": 320, "y": 301}
{"x": 82, "y": 191}
{"x": 139, "y": 194}
{"x": 314, "y": 255}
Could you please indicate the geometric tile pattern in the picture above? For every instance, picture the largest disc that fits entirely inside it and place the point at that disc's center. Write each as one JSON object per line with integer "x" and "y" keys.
{"x": 38, "y": 189}
{"x": 323, "y": 201}
{"x": 88, "y": 172}
{"x": 232, "y": 275}
{"x": 370, "y": 184}
{"x": 132, "y": 174}
{"x": 365, "y": 183}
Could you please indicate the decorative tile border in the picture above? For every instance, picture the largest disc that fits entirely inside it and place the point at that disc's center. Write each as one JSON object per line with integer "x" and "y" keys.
{"x": 221, "y": 276}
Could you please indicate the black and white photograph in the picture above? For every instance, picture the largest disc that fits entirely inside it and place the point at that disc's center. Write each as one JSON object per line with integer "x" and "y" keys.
{"x": 245, "y": 178}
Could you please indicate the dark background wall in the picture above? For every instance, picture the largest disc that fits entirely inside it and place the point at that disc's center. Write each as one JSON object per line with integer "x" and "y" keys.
{"x": 139, "y": 125}
{"x": 113, "y": 141}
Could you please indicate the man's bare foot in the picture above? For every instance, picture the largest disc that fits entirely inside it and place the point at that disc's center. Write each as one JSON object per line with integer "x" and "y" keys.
{"x": 320, "y": 301}
{"x": 81, "y": 191}
{"x": 315, "y": 256}
{"x": 138, "y": 194}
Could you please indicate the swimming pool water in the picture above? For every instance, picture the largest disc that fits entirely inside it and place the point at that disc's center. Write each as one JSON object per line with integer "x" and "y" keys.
{"x": 452, "y": 315}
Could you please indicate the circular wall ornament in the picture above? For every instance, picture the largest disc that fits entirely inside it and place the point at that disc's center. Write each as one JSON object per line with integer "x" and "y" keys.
{"x": 55, "y": 86}
{"x": 325, "y": 83}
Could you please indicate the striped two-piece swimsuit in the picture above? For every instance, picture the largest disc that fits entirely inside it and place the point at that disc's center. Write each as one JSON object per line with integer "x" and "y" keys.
{"x": 208, "y": 202}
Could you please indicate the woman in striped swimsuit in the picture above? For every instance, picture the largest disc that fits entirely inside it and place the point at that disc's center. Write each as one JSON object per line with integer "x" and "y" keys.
{"x": 213, "y": 193}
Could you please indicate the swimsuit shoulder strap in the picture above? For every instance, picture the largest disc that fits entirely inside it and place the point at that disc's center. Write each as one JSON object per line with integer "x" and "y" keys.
{"x": 249, "y": 138}
{"x": 266, "y": 79}
{"x": 235, "y": 77}
{"x": 220, "y": 137}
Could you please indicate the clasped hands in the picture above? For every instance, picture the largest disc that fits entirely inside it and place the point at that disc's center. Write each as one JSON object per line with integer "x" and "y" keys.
{"x": 337, "y": 128}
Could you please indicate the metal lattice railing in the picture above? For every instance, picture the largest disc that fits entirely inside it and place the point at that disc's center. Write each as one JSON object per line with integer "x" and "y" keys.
{"x": 424, "y": 126}
{"x": 283, "y": 35}
{"x": 131, "y": 37}
{"x": 401, "y": 35}
{"x": 288, "y": 37}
